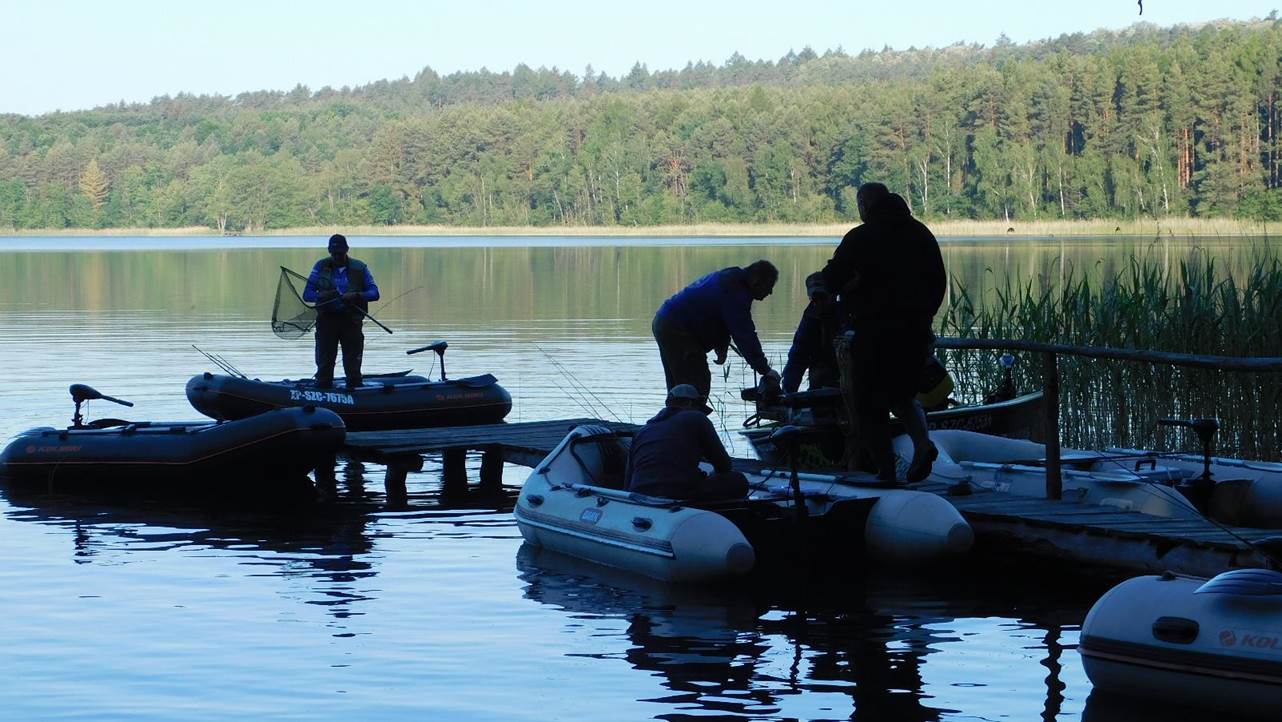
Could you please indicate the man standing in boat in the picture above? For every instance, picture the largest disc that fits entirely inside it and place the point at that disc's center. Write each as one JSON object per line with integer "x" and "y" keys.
{"x": 705, "y": 316}
{"x": 665, "y": 453}
{"x": 341, "y": 287}
{"x": 890, "y": 275}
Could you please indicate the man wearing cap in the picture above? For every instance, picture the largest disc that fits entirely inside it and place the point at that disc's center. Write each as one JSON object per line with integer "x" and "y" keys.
{"x": 341, "y": 287}
{"x": 665, "y": 454}
{"x": 705, "y": 316}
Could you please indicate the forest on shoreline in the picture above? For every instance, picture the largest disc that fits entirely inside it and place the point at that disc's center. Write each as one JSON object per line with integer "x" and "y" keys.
{"x": 1147, "y": 126}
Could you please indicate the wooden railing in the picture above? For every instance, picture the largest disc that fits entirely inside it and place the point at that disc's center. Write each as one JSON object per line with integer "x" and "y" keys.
{"x": 1050, "y": 355}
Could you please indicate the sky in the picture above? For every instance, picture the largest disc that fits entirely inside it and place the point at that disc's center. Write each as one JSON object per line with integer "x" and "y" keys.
{"x": 78, "y": 54}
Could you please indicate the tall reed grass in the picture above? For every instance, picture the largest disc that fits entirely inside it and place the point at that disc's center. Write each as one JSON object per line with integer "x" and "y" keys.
{"x": 1194, "y": 306}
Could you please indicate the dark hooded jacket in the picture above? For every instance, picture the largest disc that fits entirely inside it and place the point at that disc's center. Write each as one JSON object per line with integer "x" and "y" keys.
{"x": 889, "y": 270}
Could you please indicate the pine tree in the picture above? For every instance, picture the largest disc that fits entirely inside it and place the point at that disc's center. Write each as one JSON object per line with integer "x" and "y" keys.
{"x": 94, "y": 185}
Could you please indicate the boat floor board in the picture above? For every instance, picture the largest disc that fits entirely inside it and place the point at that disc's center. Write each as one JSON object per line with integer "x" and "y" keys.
{"x": 1065, "y": 529}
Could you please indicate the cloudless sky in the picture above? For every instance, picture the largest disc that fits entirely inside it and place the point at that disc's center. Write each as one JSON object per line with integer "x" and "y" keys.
{"x": 77, "y": 54}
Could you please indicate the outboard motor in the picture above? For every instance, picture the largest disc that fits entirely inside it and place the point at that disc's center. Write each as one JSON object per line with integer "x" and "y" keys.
{"x": 437, "y": 346}
{"x": 789, "y": 438}
{"x": 81, "y": 393}
{"x": 1199, "y": 492}
{"x": 1006, "y": 391}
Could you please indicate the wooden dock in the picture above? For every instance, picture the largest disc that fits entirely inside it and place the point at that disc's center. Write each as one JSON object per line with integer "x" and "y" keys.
{"x": 1067, "y": 530}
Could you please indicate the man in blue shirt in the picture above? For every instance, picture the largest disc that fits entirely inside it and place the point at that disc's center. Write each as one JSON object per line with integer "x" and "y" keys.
{"x": 341, "y": 287}
{"x": 705, "y": 316}
{"x": 665, "y": 453}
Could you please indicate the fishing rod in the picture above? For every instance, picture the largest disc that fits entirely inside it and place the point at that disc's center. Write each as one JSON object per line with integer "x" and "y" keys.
{"x": 573, "y": 393}
{"x": 574, "y": 381}
{"x": 384, "y": 307}
{"x": 331, "y": 287}
{"x": 221, "y": 363}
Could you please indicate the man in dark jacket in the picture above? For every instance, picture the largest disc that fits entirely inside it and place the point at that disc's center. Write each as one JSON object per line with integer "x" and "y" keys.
{"x": 890, "y": 275}
{"x": 341, "y": 287}
{"x": 705, "y": 316}
{"x": 665, "y": 454}
{"x": 811, "y": 348}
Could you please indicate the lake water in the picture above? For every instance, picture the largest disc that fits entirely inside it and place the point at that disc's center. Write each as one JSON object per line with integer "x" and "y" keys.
{"x": 350, "y": 609}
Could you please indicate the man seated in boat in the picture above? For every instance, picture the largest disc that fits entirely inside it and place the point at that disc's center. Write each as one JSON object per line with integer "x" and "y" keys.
{"x": 665, "y": 454}
{"x": 342, "y": 288}
{"x": 706, "y": 316}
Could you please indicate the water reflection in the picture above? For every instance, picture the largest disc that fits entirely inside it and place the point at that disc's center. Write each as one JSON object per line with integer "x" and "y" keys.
{"x": 324, "y": 535}
{"x": 855, "y": 646}
{"x": 327, "y": 545}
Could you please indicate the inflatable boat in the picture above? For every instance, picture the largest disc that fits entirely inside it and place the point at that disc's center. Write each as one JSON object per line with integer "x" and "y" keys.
{"x": 110, "y": 453}
{"x": 1180, "y": 485}
{"x": 572, "y": 504}
{"x": 383, "y": 401}
{"x": 1215, "y": 644}
{"x": 823, "y": 446}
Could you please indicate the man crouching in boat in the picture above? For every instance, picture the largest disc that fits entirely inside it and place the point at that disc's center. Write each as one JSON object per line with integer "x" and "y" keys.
{"x": 341, "y": 287}
{"x": 665, "y": 454}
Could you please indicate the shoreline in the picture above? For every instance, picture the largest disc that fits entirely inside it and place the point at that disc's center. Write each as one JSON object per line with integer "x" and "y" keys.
{"x": 1174, "y": 227}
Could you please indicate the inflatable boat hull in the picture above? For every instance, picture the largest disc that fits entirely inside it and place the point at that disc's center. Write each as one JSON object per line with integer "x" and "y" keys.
{"x": 567, "y": 505}
{"x": 1244, "y": 493}
{"x": 823, "y": 446}
{"x": 402, "y": 402}
{"x": 282, "y": 443}
{"x": 1161, "y": 638}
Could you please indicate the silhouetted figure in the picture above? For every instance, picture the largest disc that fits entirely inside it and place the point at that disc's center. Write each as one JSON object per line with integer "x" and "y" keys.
{"x": 811, "y": 348}
{"x": 890, "y": 274}
{"x": 341, "y": 287}
{"x": 705, "y": 316}
{"x": 665, "y": 454}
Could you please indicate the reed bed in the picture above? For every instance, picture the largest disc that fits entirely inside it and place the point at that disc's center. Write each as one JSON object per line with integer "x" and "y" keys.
{"x": 1194, "y": 306}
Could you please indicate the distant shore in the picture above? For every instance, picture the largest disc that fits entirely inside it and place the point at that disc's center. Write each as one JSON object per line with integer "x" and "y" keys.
{"x": 1149, "y": 228}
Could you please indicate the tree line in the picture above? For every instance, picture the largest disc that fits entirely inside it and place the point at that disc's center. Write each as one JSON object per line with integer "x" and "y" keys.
{"x": 1142, "y": 123}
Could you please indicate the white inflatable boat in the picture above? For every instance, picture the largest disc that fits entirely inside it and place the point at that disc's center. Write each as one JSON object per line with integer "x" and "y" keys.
{"x": 1214, "y": 645}
{"x": 1244, "y": 493}
{"x": 571, "y": 504}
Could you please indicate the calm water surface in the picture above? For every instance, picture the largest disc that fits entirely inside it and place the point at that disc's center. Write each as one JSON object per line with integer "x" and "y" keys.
{"x": 348, "y": 608}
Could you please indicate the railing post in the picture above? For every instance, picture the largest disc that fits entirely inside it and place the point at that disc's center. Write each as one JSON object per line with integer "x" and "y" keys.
{"x": 1054, "y": 481}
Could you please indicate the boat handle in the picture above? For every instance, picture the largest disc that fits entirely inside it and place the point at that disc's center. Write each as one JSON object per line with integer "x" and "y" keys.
{"x": 602, "y": 501}
{"x": 1176, "y": 630}
{"x": 534, "y": 500}
{"x": 642, "y": 523}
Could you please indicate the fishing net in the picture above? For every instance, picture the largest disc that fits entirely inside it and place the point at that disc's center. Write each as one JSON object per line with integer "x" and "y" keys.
{"x": 292, "y": 317}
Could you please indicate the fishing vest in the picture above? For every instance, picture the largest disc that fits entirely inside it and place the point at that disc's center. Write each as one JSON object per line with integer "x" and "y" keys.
{"x": 355, "y": 280}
